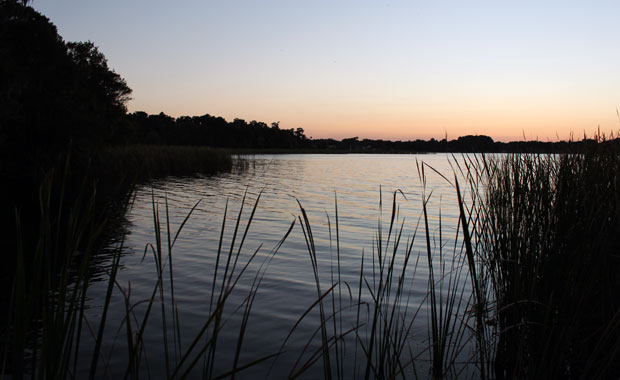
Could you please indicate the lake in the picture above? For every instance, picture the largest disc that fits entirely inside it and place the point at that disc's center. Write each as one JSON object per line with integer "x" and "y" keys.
{"x": 363, "y": 189}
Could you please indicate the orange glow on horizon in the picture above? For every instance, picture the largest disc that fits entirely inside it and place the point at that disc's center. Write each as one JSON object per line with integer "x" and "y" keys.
{"x": 392, "y": 123}
{"x": 395, "y": 112}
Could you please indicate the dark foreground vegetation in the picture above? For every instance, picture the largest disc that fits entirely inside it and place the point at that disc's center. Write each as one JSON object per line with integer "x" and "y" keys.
{"x": 540, "y": 239}
{"x": 530, "y": 290}
{"x": 546, "y": 236}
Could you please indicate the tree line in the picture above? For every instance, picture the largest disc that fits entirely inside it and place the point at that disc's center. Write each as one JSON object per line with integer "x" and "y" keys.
{"x": 56, "y": 94}
{"x": 463, "y": 144}
{"x": 209, "y": 130}
{"x": 214, "y": 131}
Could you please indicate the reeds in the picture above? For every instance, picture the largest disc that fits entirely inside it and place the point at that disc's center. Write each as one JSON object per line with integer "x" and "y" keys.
{"x": 527, "y": 288}
{"x": 547, "y": 240}
{"x": 141, "y": 162}
{"x": 374, "y": 346}
{"x": 368, "y": 332}
{"x": 48, "y": 324}
{"x": 51, "y": 277}
{"x": 377, "y": 345}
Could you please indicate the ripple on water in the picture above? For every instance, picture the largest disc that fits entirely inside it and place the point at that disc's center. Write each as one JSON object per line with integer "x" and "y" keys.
{"x": 364, "y": 186}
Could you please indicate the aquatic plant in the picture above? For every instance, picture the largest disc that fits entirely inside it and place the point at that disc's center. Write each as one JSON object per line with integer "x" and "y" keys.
{"x": 142, "y": 162}
{"x": 527, "y": 290}
{"x": 549, "y": 248}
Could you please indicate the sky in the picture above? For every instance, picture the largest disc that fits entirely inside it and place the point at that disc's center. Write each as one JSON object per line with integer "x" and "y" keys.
{"x": 398, "y": 70}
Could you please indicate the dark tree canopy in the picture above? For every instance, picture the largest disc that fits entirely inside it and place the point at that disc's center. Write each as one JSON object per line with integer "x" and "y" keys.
{"x": 212, "y": 131}
{"x": 98, "y": 78}
{"x": 52, "y": 93}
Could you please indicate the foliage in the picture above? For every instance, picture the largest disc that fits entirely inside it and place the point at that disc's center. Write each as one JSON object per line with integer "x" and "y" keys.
{"x": 103, "y": 82}
{"x": 547, "y": 238}
{"x": 52, "y": 92}
{"x": 211, "y": 131}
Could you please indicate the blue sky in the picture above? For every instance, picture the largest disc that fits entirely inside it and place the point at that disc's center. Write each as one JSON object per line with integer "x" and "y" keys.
{"x": 390, "y": 69}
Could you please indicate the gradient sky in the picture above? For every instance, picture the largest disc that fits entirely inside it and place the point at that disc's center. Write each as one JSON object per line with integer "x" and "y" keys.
{"x": 373, "y": 69}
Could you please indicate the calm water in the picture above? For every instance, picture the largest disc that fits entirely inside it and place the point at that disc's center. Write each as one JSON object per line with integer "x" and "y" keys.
{"x": 364, "y": 186}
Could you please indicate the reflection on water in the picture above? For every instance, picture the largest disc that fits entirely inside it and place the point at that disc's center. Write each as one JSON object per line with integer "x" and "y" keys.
{"x": 362, "y": 187}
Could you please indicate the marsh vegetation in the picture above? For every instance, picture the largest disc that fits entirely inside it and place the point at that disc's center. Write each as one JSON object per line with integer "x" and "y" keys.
{"x": 525, "y": 288}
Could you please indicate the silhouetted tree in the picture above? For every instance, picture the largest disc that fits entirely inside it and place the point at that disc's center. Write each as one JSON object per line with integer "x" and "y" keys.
{"x": 471, "y": 143}
{"x": 102, "y": 93}
{"x": 299, "y": 133}
{"x": 110, "y": 88}
{"x": 36, "y": 79}
{"x": 52, "y": 93}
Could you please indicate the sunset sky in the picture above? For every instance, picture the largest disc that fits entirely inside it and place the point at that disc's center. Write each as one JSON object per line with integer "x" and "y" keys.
{"x": 374, "y": 69}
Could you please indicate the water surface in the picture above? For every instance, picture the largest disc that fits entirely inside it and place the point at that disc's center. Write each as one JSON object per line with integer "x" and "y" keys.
{"x": 361, "y": 187}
